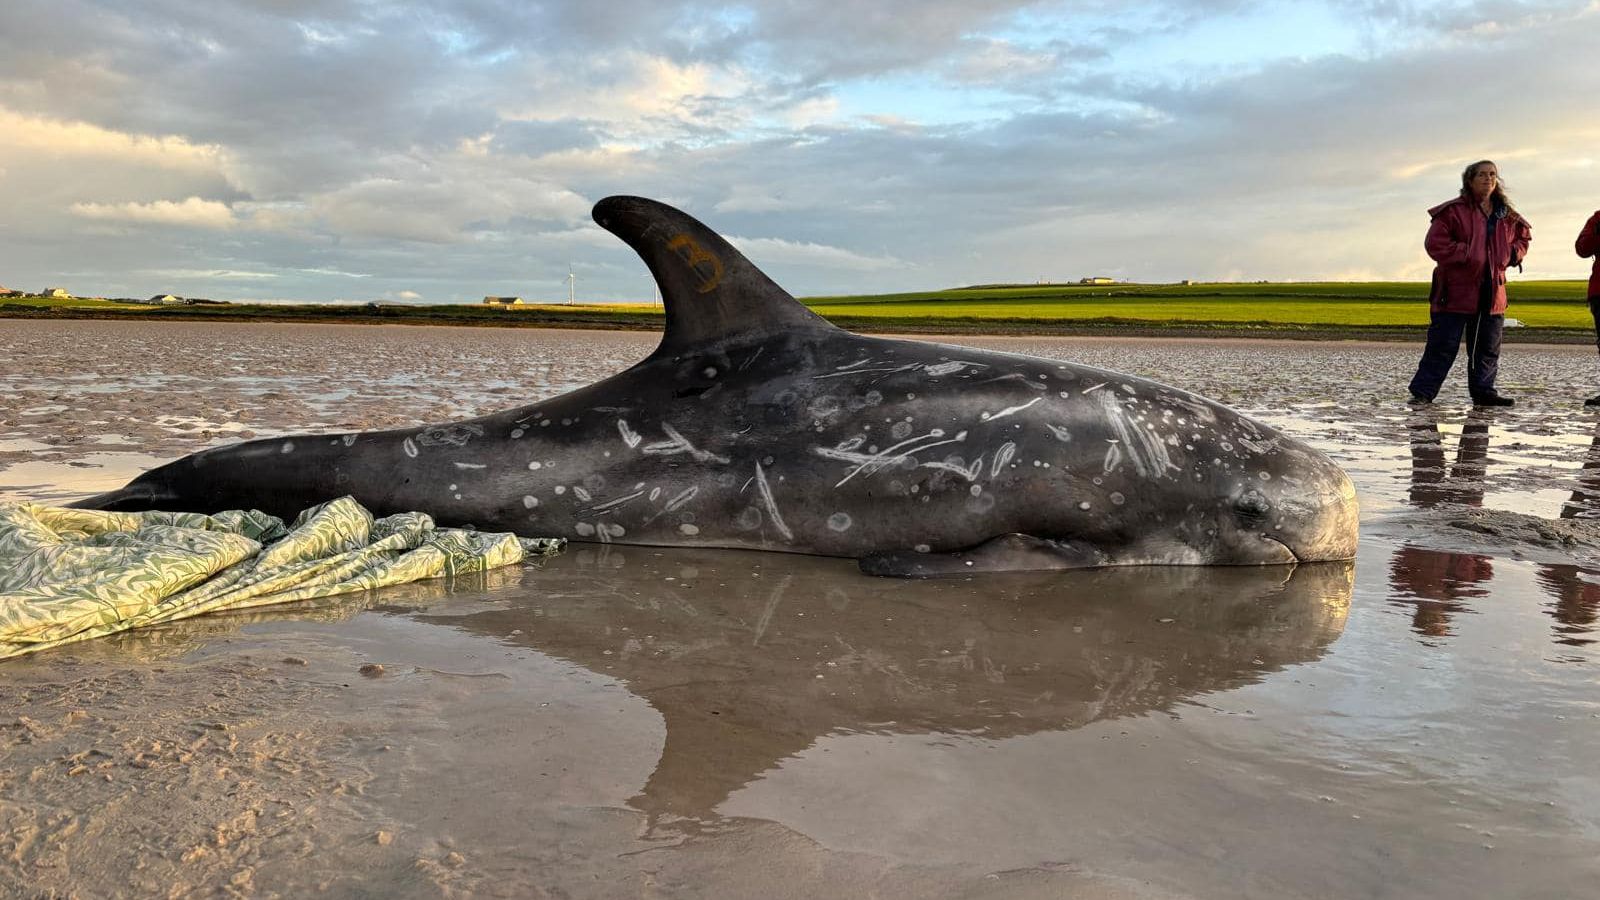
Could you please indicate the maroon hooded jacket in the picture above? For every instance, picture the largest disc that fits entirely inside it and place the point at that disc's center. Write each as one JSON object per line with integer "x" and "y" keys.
{"x": 1458, "y": 240}
{"x": 1589, "y": 245}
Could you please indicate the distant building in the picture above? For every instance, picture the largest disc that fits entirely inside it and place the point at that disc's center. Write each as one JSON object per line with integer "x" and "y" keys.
{"x": 1097, "y": 279}
{"x": 8, "y": 292}
{"x": 56, "y": 293}
{"x": 166, "y": 299}
{"x": 503, "y": 301}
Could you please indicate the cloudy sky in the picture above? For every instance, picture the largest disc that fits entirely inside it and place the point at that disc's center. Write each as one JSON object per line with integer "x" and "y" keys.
{"x": 441, "y": 150}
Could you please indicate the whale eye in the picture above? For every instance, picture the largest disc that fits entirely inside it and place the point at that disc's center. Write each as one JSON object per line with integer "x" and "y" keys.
{"x": 1252, "y": 504}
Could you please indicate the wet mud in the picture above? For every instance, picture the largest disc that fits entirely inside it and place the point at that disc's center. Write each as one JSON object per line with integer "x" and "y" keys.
{"x": 633, "y": 721}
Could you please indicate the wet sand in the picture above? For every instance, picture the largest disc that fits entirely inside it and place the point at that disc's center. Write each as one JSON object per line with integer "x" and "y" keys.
{"x": 630, "y": 721}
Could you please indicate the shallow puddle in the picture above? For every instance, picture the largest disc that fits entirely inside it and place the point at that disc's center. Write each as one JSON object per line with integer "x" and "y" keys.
{"x": 636, "y": 721}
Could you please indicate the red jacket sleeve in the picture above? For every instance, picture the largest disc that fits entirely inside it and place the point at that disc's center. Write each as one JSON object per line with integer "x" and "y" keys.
{"x": 1589, "y": 238}
{"x": 1443, "y": 246}
{"x": 1521, "y": 237}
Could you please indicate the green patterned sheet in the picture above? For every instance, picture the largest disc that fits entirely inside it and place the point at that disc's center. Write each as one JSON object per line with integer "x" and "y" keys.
{"x": 72, "y": 574}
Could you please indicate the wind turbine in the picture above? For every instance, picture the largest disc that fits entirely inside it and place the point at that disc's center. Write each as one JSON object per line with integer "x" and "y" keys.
{"x": 572, "y": 281}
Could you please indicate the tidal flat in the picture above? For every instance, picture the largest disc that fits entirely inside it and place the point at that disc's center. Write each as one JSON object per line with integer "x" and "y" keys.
{"x": 629, "y": 721}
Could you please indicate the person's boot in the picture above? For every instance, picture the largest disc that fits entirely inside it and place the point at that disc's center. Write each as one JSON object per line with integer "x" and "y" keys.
{"x": 1492, "y": 400}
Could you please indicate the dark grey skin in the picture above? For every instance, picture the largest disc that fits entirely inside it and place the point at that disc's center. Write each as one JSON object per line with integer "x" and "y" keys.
{"x": 756, "y": 424}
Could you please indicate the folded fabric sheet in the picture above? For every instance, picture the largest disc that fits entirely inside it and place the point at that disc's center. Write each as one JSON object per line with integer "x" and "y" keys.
{"x": 72, "y": 574}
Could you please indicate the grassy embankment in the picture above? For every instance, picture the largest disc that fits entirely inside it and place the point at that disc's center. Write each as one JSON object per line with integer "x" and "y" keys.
{"x": 1549, "y": 311}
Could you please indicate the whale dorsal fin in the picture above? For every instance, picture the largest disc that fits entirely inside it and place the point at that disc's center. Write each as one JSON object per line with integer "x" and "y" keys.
{"x": 710, "y": 290}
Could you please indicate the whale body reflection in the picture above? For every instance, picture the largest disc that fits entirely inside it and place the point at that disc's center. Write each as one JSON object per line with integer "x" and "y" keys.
{"x": 749, "y": 664}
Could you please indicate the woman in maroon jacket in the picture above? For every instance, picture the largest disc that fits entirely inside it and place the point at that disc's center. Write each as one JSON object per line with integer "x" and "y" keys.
{"x": 1589, "y": 245}
{"x": 1473, "y": 239}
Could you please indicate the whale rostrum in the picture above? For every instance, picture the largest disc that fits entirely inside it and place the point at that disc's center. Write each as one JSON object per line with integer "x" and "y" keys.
{"x": 756, "y": 424}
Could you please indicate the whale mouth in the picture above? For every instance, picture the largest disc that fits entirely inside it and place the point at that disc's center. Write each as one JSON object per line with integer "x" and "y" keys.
{"x": 1278, "y": 552}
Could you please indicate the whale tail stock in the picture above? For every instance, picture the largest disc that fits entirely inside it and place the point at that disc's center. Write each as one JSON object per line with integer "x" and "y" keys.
{"x": 710, "y": 291}
{"x": 134, "y": 497}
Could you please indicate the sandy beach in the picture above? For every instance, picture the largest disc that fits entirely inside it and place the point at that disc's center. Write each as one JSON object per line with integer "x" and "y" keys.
{"x": 625, "y": 721}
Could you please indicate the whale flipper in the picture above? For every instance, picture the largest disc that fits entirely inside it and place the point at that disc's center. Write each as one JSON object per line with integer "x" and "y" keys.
{"x": 710, "y": 291}
{"x": 1006, "y": 553}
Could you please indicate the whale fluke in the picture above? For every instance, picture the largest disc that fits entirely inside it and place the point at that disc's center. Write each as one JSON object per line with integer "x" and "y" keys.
{"x": 711, "y": 292}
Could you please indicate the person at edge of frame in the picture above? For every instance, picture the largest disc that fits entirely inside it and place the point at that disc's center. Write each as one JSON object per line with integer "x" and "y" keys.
{"x": 1589, "y": 245}
{"x": 1473, "y": 240}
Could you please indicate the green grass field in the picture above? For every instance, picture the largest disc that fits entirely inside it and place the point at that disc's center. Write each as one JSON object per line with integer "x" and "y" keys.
{"x": 1554, "y": 310}
{"x": 1537, "y": 304}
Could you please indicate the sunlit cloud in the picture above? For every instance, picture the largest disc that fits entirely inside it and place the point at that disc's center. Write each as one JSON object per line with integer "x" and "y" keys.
{"x": 193, "y": 212}
{"x": 22, "y": 134}
{"x": 451, "y": 150}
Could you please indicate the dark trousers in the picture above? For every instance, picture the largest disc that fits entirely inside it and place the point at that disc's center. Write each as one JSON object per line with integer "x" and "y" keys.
{"x": 1594, "y": 310}
{"x": 1482, "y": 332}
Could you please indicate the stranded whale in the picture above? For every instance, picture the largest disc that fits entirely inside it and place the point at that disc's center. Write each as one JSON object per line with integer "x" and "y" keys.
{"x": 756, "y": 424}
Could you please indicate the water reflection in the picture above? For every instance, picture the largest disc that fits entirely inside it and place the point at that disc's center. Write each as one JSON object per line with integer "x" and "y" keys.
{"x": 1575, "y": 591}
{"x": 1437, "y": 585}
{"x": 1431, "y": 484}
{"x": 750, "y": 660}
{"x": 1585, "y": 500}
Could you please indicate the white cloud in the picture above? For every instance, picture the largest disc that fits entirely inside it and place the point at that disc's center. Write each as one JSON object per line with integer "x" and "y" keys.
{"x": 32, "y": 135}
{"x": 209, "y": 274}
{"x": 193, "y": 212}
{"x": 779, "y": 251}
{"x": 903, "y": 145}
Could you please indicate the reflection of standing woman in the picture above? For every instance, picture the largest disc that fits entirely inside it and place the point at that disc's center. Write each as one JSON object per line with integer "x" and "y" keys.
{"x": 1473, "y": 239}
{"x": 1589, "y": 245}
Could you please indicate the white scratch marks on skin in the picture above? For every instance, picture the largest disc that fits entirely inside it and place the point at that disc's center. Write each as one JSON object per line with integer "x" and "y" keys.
{"x": 682, "y": 497}
{"x": 1093, "y": 388}
{"x": 848, "y": 444}
{"x": 410, "y": 447}
{"x": 1261, "y": 447}
{"x": 990, "y": 417}
{"x": 581, "y": 493}
{"x": 772, "y": 506}
{"x": 1001, "y": 457}
{"x": 1142, "y": 446}
{"x": 613, "y": 504}
{"x": 629, "y": 436}
{"x": 680, "y": 444}
{"x": 1061, "y": 433}
{"x": 465, "y": 465}
{"x": 1113, "y": 457}
{"x": 950, "y": 368}
{"x": 970, "y": 473}
{"x": 858, "y": 371}
{"x": 752, "y": 358}
{"x": 1017, "y": 377}
{"x": 349, "y": 440}
{"x": 872, "y": 462}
